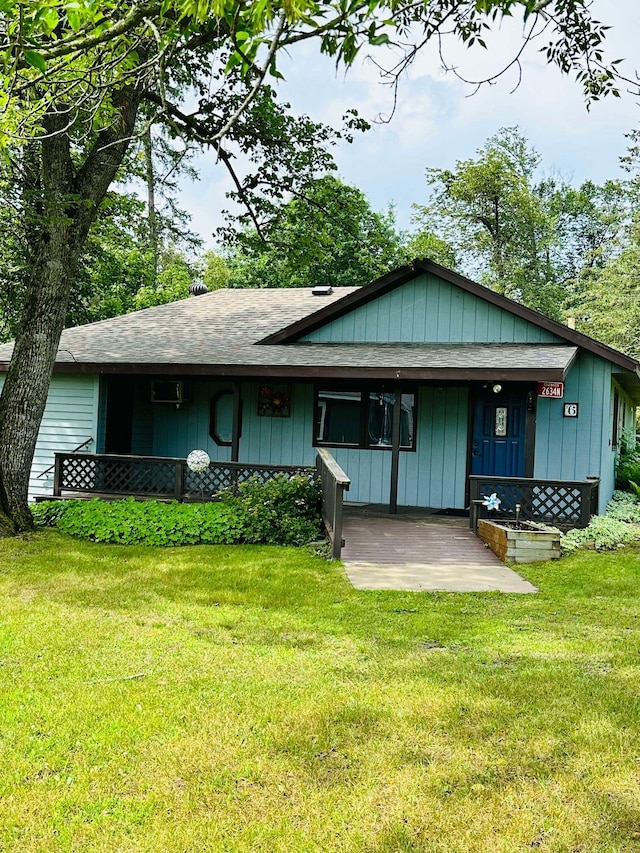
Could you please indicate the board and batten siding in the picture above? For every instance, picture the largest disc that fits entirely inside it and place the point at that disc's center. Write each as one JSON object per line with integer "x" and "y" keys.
{"x": 430, "y": 310}
{"x": 577, "y": 448}
{"x": 432, "y": 476}
{"x": 70, "y": 418}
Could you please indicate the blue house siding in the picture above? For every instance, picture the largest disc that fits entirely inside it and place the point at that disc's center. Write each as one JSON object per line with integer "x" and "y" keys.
{"x": 176, "y": 432}
{"x": 430, "y": 310}
{"x": 576, "y": 448}
{"x": 435, "y": 475}
{"x": 70, "y": 418}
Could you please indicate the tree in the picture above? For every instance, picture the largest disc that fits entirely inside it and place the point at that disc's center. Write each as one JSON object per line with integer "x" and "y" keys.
{"x": 525, "y": 237}
{"x": 608, "y": 304}
{"x": 328, "y": 236}
{"x": 75, "y": 76}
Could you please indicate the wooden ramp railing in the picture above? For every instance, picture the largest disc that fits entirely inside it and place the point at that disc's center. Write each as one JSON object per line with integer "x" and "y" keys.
{"x": 334, "y": 484}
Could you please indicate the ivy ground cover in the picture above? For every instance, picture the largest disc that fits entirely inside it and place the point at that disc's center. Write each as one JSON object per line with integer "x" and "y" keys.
{"x": 246, "y": 698}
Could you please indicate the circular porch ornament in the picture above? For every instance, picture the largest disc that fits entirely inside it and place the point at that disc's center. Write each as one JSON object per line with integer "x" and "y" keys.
{"x": 198, "y": 461}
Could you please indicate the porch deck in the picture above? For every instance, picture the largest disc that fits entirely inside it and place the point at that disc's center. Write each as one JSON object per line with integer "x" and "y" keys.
{"x": 421, "y": 551}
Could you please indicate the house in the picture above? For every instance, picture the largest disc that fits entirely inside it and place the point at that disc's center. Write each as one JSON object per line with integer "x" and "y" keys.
{"x": 417, "y": 383}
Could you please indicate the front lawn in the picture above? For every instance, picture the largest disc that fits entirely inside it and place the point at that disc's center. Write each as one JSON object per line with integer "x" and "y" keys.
{"x": 248, "y": 699}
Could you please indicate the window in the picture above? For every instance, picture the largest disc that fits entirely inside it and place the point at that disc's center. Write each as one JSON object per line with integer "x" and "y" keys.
{"x": 221, "y": 418}
{"x": 363, "y": 419}
{"x": 616, "y": 418}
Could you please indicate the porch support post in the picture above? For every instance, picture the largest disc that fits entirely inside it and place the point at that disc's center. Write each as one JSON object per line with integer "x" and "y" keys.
{"x": 395, "y": 451}
{"x": 235, "y": 430}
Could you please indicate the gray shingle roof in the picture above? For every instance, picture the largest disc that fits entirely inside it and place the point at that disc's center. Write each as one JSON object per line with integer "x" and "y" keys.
{"x": 218, "y": 333}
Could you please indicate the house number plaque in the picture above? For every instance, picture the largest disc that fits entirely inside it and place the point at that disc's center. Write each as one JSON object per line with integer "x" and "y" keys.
{"x": 501, "y": 421}
{"x": 570, "y": 410}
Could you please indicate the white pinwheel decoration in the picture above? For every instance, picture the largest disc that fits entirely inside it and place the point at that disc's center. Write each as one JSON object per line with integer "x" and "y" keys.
{"x": 491, "y": 501}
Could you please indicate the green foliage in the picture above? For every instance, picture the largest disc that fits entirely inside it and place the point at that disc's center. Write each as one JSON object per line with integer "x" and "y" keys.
{"x": 326, "y": 234}
{"x": 619, "y": 526}
{"x": 283, "y": 511}
{"x": 48, "y": 513}
{"x": 628, "y": 465}
{"x": 129, "y": 522}
{"x": 605, "y": 532}
{"x": 525, "y": 237}
{"x": 624, "y": 506}
{"x": 214, "y": 271}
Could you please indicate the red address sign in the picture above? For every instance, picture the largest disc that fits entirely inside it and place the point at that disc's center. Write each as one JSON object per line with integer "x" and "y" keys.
{"x": 551, "y": 389}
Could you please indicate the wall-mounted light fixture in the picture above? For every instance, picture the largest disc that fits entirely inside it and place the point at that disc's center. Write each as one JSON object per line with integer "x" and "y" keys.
{"x": 497, "y": 388}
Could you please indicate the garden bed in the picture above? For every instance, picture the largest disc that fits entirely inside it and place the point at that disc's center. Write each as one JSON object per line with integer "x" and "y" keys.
{"x": 520, "y": 541}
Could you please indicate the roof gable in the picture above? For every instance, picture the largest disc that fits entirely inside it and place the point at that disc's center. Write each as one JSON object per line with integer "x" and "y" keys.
{"x": 428, "y": 309}
{"x": 440, "y": 305}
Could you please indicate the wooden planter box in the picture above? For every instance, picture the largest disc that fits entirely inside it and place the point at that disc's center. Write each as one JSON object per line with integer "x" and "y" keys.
{"x": 520, "y": 543}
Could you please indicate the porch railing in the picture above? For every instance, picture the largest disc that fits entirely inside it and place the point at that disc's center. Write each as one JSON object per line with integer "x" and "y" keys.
{"x": 334, "y": 484}
{"x": 154, "y": 476}
{"x": 563, "y": 503}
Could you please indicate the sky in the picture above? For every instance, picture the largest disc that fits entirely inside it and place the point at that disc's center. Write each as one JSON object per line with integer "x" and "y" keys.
{"x": 440, "y": 120}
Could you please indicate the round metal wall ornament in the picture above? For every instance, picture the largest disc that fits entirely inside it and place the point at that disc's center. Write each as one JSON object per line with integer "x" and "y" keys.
{"x": 198, "y": 461}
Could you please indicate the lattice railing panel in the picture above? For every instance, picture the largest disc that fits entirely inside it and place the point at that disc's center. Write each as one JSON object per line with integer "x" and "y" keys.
{"x": 220, "y": 477}
{"x": 565, "y": 503}
{"x": 118, "y": 476}
{"x": 156, "y": 476}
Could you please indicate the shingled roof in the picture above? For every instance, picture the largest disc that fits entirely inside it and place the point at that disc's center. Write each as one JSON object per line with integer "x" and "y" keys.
{"x": 249, "y": 333}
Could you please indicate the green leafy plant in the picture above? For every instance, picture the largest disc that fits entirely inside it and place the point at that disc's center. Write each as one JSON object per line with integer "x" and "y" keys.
{"x": 628, "y": 467}
{"x": 283, "y": 511}
{"x": 619, "y": 526}
{"x": 48, "y": 513}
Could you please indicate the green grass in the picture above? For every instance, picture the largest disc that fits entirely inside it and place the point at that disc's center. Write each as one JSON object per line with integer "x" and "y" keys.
{"x": 279, "y": 710}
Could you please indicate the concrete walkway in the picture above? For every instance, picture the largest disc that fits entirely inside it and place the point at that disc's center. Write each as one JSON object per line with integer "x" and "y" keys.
{"x": 417, "y": 553}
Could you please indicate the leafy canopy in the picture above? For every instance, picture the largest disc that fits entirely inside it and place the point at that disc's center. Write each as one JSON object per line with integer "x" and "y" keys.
{"x": 87, "y": 48}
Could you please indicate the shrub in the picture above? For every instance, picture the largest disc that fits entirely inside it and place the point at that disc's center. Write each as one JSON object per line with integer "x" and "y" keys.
{"x": 628, "y": 467}
{"x": 283, "y": 511}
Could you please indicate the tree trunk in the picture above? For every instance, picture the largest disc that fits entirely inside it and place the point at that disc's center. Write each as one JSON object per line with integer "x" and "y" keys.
{"x": 151, "y": 201}
{"x": 70, "y": 199}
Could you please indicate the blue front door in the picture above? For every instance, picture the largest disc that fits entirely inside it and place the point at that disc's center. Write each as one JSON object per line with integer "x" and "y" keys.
{"x": 498, "y": 438}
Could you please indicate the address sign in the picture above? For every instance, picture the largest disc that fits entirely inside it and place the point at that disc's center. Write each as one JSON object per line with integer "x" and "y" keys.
{"x": 551, "y": 389}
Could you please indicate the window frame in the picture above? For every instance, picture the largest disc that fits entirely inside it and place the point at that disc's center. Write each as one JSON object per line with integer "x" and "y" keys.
{"x": 364, "y": 390}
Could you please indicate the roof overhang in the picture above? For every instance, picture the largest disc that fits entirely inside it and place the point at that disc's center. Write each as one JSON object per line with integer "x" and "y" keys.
{"x": 435, "y": 362}
{"x": 466, "y": 374}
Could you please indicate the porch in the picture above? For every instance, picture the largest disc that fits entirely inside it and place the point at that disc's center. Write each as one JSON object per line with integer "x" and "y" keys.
{"x": 409, "y": 538}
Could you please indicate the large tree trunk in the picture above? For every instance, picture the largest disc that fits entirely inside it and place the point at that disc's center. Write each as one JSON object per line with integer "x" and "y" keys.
{"x": 70, "y": 201}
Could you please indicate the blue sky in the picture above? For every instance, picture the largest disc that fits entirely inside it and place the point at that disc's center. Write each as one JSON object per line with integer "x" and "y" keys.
{"x": 439, "y": 120}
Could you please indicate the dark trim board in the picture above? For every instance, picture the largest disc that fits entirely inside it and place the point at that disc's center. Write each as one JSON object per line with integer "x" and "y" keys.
{"x": 259, "y": 373}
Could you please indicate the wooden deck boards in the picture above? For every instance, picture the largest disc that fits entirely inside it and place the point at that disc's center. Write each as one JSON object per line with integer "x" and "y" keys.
{"x": 422, "y": 553}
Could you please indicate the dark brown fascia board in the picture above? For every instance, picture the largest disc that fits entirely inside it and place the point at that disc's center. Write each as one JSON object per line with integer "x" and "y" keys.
{"x": 319, "y": 372}
{"x": 401, "y": 275}
{"x": 341, "y": 306}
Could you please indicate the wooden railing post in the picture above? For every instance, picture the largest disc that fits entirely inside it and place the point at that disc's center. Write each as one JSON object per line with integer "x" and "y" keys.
{"x": 334, "y": 483}
{"x": 57, "y": 476}
{"x": 179, "y": 481}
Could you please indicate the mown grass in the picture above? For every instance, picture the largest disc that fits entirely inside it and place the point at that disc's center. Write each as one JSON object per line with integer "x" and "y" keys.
{"x": 276, "y": 709}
